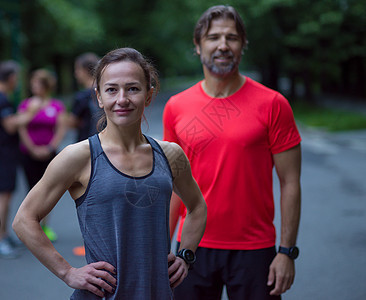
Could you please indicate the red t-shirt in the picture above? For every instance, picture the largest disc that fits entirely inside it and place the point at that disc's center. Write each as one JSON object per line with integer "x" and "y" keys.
{"x": 230, "y": 142}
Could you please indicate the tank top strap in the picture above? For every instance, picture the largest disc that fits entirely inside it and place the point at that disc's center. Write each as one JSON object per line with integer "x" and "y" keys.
{"x": 160, "y": 153}
{"x": 154, "y": 144}
{"x": 95, "y": 146}
{"x": 95, "y": 151}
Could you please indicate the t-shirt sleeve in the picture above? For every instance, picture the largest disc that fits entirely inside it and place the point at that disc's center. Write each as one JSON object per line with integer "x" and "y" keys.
{"x": 169, "y": 133}
{"x": 283, "y": 132}
{"x": 23, "y": 105}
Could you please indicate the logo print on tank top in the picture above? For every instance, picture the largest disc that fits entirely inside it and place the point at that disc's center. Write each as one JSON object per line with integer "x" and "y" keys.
{"x": 142, "y": 192}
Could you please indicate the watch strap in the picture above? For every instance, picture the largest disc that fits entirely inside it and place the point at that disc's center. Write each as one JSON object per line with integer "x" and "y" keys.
{"x": 292, "y": 252}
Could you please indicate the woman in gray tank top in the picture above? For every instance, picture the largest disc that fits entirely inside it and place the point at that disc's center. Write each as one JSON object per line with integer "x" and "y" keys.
{"x": 121, "y": 181}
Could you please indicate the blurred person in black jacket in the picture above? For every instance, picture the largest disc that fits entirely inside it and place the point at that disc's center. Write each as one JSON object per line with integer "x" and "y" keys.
{"x": 85, "y": 111}
{"x": 9, "y": 124}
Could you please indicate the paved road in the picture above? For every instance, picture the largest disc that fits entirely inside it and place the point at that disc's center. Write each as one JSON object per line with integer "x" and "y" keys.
{"x": 332, "y": 237}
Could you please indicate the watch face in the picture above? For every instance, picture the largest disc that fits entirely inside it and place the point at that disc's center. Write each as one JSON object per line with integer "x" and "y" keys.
{"x": 189, "y": 255}
{"x": 294, "y": 252}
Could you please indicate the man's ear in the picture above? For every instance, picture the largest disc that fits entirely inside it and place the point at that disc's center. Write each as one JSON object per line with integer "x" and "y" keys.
{"x": 198, "y": 48}
{"x": 149, "y": 97}
{"x": 100, "y": 103}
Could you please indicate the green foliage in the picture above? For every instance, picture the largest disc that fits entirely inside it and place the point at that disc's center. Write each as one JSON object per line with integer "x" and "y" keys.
{"x": 59, "y": 27}
{"x": 9, "y": 28}
{"x": 319, "y": 43}
{"x": 329, "y": 119}
{"x": 81, "y": 24}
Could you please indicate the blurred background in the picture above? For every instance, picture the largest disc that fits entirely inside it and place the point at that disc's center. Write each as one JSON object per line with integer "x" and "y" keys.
{"x": 302, "y": 47}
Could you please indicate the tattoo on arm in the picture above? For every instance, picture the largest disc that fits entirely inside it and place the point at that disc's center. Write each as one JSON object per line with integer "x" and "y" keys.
{"x": 179, "y": 165}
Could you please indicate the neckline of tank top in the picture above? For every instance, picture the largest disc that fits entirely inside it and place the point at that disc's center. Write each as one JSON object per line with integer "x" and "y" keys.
{"x": 124, "y": 174}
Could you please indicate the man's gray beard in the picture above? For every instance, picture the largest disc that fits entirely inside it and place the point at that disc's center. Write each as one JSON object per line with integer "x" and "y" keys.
{"x": 220, "y": 70}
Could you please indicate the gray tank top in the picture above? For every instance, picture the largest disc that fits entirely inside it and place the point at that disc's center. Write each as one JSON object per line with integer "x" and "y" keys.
{"x": 124, "y": 220}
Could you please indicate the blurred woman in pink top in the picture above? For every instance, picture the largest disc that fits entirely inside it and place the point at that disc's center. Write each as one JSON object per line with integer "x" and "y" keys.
{"x": 42, "y": 136}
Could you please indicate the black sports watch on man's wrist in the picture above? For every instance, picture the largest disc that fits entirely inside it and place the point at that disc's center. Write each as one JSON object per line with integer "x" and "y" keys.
{"x": 187, "y": 255}
{"x": 292, "y": 252}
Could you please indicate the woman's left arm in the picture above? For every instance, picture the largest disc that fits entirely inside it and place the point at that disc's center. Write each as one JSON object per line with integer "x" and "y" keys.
{"x": 187, "y": 189}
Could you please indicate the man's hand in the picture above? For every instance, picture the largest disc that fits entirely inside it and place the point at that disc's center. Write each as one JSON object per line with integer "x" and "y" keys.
{"x": 92, "y": 277}
{"x": 177, "y": 270}
{"x": 282, "y": 273}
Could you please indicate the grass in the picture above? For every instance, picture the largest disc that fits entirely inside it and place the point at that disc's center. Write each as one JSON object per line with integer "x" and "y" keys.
{"x": 326, "y": 118}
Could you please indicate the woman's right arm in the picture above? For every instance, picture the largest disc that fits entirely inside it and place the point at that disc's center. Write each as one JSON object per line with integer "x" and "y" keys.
{"x": 62, "y": 173}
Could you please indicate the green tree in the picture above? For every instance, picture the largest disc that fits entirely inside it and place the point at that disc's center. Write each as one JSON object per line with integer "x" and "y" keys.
{"x": 9, "y": 29}
{"x": 55, "y": 31}
{"x": 318, "y": 44}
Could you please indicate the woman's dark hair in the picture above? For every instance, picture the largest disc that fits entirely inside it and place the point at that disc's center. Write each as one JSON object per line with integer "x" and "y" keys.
{"x": 219, "y": 12}
{"x": 131, "y": 55}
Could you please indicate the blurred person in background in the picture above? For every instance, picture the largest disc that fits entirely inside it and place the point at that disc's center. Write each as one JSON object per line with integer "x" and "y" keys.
{"x": 41, "y": 137}
{"x": 85, "y": 110}
{"x": 9, "y": 151}
{"x": 234, "y": 130}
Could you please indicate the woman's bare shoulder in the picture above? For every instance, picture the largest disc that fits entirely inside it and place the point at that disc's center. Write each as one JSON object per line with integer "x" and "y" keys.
{"x": 171, "y": 150}
{"x": 80, "y": 150}
{"x": 74, "y": 156}
{"x": 178, "y": 160}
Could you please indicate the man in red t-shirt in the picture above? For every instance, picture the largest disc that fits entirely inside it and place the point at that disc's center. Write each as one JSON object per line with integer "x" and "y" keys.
{"x": 234, "y": 130}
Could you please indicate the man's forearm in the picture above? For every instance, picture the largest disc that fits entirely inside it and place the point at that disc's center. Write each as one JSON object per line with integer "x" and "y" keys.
{"x": 290, "y": 214}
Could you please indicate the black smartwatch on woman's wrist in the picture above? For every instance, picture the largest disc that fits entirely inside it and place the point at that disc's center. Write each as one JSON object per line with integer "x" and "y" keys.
{"x": 188, "y": 256}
